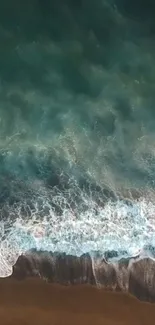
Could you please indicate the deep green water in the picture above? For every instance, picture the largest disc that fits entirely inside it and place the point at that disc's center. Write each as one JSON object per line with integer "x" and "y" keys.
{"x": 77, "y": 123}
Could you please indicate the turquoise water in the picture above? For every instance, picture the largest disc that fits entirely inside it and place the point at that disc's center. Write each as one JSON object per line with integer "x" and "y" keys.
{"x": 77, "y": 126}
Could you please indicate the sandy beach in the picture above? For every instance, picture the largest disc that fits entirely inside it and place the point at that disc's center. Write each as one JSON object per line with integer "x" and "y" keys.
{"x": 33, "y": 301}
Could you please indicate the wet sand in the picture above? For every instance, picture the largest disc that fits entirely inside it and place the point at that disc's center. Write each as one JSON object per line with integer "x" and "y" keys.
{"x": 134, "y": 275}
{"x": 36, "y": 302}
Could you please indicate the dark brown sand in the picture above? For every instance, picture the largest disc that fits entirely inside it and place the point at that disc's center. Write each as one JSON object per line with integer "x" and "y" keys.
{"x": 36, "y": 302}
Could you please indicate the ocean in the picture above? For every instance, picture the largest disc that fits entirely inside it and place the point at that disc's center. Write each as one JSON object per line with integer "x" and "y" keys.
{"x": 77, "y": 128}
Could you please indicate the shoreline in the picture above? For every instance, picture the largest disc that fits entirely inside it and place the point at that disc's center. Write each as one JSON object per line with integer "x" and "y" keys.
{"x": 134, "y": 276}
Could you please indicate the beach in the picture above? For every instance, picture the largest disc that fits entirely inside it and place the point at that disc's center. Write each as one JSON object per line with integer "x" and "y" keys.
{"x": 36, "y": 302}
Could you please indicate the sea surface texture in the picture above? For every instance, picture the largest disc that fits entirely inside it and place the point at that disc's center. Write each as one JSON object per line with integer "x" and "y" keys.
{"x": 77, "y": 129}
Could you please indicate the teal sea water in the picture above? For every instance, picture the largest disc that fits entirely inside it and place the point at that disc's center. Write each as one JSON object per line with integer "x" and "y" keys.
{"x": 77, "y": 127}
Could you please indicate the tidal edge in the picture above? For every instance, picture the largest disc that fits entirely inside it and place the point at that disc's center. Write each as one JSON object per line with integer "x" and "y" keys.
{"x": 135, "y": 275}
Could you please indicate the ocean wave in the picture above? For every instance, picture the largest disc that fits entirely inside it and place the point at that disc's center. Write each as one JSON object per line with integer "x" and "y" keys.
{"x": 77, "y": 158}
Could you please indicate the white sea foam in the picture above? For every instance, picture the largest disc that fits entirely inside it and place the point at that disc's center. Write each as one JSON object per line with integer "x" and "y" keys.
{"x": 118, "y": 226}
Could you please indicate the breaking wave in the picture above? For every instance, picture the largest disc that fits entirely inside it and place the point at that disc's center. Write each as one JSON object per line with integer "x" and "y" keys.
{"x": 72, "y": 221}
